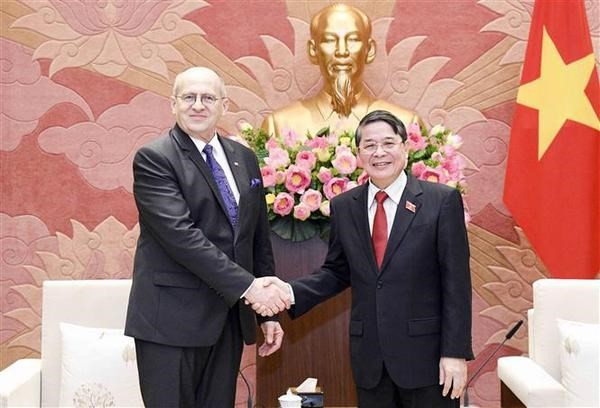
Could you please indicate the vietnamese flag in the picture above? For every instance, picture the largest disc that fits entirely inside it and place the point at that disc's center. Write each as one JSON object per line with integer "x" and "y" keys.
{"x": 552, "y": 185}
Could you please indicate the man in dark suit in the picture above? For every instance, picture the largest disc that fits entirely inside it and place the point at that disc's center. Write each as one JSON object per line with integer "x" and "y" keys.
{"x": 401, "y": 245}
{"x": 204, "y": 236}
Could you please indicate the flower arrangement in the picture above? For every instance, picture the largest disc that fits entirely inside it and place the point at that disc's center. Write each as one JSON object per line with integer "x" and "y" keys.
{"x": 302, "y": 173}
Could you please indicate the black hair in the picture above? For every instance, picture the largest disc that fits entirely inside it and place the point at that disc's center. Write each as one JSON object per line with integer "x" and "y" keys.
{"x": 381, "y": 116}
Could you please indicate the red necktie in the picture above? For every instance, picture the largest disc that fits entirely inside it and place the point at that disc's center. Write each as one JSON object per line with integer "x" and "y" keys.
{"x": 380, "y": 234}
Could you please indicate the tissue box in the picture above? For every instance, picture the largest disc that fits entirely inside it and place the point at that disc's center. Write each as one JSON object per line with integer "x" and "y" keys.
{"x": 311, "y": 399}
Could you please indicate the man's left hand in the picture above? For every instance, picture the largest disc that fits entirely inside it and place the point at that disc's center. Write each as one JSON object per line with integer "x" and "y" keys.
{"x": 453, "y": 373}
{"x": 273, "y": 338}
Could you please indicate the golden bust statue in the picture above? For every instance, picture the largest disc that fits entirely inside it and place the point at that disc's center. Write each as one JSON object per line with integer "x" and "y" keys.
{"x": 341, "y": 45}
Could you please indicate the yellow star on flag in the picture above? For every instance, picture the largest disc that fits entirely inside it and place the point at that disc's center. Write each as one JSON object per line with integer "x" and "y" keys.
{"x": 559, "y": 93}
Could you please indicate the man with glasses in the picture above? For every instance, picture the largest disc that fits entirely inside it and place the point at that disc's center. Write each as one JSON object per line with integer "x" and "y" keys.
{"x": 204, "y": 245}
{"x": 401, "y": 244}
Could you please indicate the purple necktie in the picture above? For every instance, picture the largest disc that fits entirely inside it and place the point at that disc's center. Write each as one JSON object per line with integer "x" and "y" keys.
{"x": 224, "y": 188}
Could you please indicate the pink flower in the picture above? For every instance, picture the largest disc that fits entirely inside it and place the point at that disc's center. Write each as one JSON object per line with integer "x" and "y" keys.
{"x": 416, "y": 141}
{"x": 269, "y": 176}
{"x": 334, "y": 187}
{"x": 351, "y": 184}
{"x": 437, "y": 156}
{"x": 290, "y": 138}
{"x": 363, "y": 178}
{"x": 280, "y": 177}
{"x": 297, "y": 179}
{"x": 312, "y": 199}
{"x": 418, "y": 168}
{"x": 452, "y": 166}
{"x": 455, "y": 141}
{"x": 342, "y": 149}
{"x": 283, "y": 204}
{"x": 344, "y": 162}
{"x": 324, "y": 208}
{"x": 333, "y": 139}
{"x": 448, "y": 151}
{"x": 278, "y": 158}
{"x": 317, "y": 143}
{"x": 301, "y": 212}
{"x": 430, "y": 174}
{"x": 437, "y": 175}
{"x": 324, "y": 175}
{"x": 271, "y": 143}
{"x": 306, "y": 159}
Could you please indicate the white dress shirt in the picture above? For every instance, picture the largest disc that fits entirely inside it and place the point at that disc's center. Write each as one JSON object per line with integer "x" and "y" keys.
{"x": 220, "y": 157}
{"x": 394, "y": 192}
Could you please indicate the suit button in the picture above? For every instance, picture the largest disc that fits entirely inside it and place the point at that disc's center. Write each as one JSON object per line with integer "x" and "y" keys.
{"x": 379, "y": 284}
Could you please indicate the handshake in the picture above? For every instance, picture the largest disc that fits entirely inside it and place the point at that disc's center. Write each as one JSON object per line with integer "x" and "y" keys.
{"x": 269, "y": 296}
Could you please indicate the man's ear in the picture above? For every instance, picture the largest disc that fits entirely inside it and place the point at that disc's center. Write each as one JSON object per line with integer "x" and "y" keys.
{"x": 225, "y": 105}
{"x": 371, "y": 51}
{"x": 312, "y": 51}
{"x": 173, "y": 104}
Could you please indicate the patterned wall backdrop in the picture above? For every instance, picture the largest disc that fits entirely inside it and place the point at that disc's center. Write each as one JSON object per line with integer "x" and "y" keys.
{"x": 85, "y": 84}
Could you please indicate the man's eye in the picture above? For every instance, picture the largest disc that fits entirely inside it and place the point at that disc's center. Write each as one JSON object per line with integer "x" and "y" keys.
{"x": 209, "y": 99}
{"x": 189, "y": 98}
{"x": 370, "y": 147}
{"x": 389, "y": 145}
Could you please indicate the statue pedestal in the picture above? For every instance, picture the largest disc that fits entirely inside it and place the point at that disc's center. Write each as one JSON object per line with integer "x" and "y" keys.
{"x": 315, "y": 345}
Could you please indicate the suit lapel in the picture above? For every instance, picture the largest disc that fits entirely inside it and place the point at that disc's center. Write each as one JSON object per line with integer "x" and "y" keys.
{"x": 360, "y": 217}
{"x": 404, "y": 217}
{"x": 188, "y": 146}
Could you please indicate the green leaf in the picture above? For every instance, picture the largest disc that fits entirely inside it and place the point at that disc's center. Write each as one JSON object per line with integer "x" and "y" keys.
{"x": 325, "y": 230}
{"x": 323, "y": 132}
{"x": 293, "y": 229}
{"x": 418, "y": 155}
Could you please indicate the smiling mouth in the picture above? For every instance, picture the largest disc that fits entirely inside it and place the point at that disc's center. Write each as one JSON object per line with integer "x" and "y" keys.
{"x": 380, "y": 165}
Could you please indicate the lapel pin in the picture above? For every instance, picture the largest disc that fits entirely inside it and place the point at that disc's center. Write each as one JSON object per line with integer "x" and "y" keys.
{"x": 410, "y": 206}
{"x": 235, "y": 163}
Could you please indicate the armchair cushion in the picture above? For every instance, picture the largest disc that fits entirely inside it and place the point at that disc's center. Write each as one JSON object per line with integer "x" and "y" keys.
{"x": 579, "y": 357}
{"x": 529, "y": 382}
{"x": 98, "y": 368}
{"x": 20, "y": 383}
{"x": 537, "y": 380}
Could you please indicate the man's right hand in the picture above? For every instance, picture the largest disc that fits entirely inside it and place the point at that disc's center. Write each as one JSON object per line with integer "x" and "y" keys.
{"x": 268, "y": 299}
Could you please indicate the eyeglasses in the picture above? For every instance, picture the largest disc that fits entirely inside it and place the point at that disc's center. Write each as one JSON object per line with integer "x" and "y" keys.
{"x": 371, "y": 148}
{"x": 205, "y": 99}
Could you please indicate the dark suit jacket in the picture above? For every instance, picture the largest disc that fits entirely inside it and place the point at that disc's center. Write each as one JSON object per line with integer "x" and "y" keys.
{"x": 418, "y": 307}
{"x": 190, "y": 266}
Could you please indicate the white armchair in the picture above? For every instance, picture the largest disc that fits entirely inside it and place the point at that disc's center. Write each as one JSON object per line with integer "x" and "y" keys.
{"x": 90, "y": 303}
{"x": 542, "y": 379}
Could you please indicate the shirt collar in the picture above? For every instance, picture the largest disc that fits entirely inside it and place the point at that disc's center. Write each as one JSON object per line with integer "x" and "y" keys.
{"x": 214, "y": 142}
{"x": 394, "y": 190}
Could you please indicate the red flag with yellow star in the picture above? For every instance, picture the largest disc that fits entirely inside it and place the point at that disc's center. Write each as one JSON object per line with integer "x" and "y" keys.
{"x": 552, "y": 185}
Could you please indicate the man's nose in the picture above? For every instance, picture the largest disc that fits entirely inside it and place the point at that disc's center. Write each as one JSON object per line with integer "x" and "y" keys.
{"x": 342, "y": 48}
{"x": 379, "y": 150}
{"x": 198, "y": 105}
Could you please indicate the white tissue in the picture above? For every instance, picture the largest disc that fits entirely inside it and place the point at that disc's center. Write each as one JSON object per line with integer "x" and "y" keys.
{"x": 308, "y": 385}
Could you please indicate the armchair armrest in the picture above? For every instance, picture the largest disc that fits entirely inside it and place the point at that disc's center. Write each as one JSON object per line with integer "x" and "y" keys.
{"x": 20, "y": 384}
{"x": 530, "y": 382}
